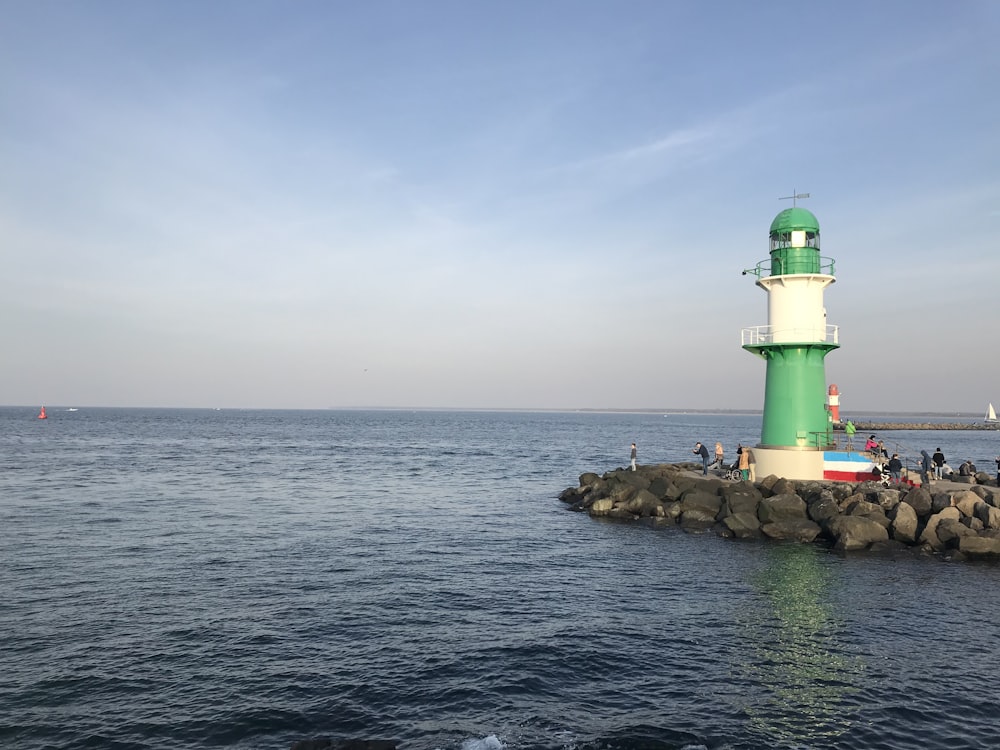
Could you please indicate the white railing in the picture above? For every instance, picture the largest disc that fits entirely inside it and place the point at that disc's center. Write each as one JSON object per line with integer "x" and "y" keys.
{"x": 758, "y": 335}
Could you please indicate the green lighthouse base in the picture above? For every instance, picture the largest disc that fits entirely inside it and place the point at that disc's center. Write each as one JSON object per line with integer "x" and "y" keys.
{"x": 795, "y": 414}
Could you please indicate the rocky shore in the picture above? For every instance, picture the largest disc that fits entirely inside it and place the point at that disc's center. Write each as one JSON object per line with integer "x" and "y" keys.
{"x": 950, "y": 520}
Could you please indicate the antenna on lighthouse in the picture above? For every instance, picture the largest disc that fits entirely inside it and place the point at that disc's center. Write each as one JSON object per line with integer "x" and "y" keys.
{"x": 794, "y": 197}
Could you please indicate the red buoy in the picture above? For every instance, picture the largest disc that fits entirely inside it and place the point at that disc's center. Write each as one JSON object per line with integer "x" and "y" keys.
{"x": 42, "y": 414}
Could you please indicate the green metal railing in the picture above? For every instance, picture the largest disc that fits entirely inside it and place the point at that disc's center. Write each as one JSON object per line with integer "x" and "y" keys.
{"x": 792, "y": 266}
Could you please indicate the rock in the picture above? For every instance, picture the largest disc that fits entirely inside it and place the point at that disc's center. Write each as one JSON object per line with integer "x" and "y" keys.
{"x": 929, "y": 536}
{"x": 696, "y": 518}
{"x": 571, "y": 495}
{"x": 919, "y": 499}
{"x": 904, "y": 523}
{"x": 601, "y": 506}
{"x": 642, "y": 503}
{"x": 989, "y": 515}
{"x": 887, "y": 499}
{"x": 783, "y": 487}
{"x": 855, "y": 532}
{"x": 950, "y": 530}
{"x": 742, "y": 502}
{"x": 966, "y": 502}
{"x": 824, "y": 508}
{"x": 660, "y": 487}
{"x": 798, "y": 530}
{"x": 742, "y": 524}
{"x": 979, "y": 547}
{"x": 783, "y": 507}
{"x": 589, "y": 478}
{"x": 698, "y": 499}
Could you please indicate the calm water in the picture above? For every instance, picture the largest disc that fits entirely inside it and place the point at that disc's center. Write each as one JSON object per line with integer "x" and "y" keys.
{"x": 192, "y": 579}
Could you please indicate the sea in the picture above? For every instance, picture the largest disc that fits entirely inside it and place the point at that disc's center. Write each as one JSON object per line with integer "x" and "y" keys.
{"x": 176, "y": 579}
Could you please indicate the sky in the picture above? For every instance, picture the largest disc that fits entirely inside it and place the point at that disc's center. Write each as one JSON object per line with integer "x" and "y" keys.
{"x": 472, "y": 204}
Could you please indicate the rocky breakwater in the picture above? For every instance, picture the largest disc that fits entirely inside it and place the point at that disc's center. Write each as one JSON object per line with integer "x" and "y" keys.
{"x": 956, "y": 524}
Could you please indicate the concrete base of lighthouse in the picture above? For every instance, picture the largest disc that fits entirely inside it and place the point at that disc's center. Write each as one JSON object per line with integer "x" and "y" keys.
{"x": 789, "y": 463}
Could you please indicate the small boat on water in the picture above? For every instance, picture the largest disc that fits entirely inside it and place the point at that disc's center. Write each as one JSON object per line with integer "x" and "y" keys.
{"x": 991, "y": 414}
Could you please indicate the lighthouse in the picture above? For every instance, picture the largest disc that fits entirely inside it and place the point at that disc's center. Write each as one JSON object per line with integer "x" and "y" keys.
{"x": 796, "y": 429}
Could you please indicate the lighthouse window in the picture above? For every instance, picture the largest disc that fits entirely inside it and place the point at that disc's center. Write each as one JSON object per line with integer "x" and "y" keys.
{"x": 794, "y": 238}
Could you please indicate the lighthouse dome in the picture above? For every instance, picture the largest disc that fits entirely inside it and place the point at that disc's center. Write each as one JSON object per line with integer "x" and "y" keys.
{"x": 794, "y": 219}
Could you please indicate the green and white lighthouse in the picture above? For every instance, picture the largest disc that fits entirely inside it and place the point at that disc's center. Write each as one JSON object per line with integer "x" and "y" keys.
{"x": 796, "y": 428}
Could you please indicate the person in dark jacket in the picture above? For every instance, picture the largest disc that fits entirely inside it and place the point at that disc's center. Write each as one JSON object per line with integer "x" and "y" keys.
{"x": 939, "y": 461}
{"x": 926, "y": 466}
{"x": 895, "y": 468}
{"x": 702, "y": 451}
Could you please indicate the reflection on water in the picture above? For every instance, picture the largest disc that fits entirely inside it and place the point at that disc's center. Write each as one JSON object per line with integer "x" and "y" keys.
{"x": 794, "y": 653}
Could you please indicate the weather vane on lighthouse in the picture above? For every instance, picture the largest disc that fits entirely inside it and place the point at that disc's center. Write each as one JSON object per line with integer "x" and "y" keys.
{"x": 794, "y": 197}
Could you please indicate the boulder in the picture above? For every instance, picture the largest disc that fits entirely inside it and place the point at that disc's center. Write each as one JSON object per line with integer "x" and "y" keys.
{"x": 781, "y": 507}
{"x": 989, "y": 515}
{"x": 824, "y": 508}
{"x": 904, "y": 523}
{"x": 696, "y": 518}
{"x": 919, "y": 499}
{"x": 783, "y": 487}
{"x": 979, "y": 547}
{"x": 642, "y": 503}
{"x": 635, "y": 479}
{"x": 572, "y": 495}
{"x": 966, "y": 502}
{"x": 742, "y": 524}
{"x": 742, "y": 502}
{"x": 887, "y": 499}
{"x": 797, "y": 530}
{"x": 854, "y": 532}
{"x": 950, "y": 530}
{"x": 698, "y": 499}
{"x": 660, "y": 487}
{"x": 601, "y": 506}
{"x": 929, "y": 535}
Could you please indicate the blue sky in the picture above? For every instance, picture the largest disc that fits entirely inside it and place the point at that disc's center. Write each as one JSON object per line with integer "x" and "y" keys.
{"x": 475, "y": 204}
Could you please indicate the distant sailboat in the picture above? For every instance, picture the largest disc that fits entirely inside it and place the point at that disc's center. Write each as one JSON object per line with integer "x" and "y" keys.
{"x": 42, "y": 414}
{"x": 991, "y": 414}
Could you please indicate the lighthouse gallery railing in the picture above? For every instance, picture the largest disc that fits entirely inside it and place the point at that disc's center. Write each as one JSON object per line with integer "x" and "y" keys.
{"x": 758, "y": 335}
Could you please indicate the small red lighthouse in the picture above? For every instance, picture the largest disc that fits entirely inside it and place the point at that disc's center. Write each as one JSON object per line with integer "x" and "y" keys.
{"x": 833, "y": 403}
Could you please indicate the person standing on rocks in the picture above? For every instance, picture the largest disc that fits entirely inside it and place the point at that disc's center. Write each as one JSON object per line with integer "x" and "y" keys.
{"x": 939, "y": 462}
{"x": 926, "y": 462}
{"x": 719, "y": 457}
{"x": 743, "y": 462}
{"x": 701, "y": 450}
{"x": 632, "y": 457}
{"x": 896, "y": 468}
{"x": 998, "y": 471}
{"x": 751, "y": 464}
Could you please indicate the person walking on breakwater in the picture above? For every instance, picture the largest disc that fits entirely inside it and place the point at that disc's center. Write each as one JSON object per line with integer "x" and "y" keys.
{"x": 751, "y": 464}
{"x": 849, "y": 430}
{"x": 938, "y": 459}
{"x": 998, "y": 471}
{"x": 702, "y": 451}
{"x": 632, "y": 457}
{"x": 895, "y": 469}
{"x": 926, "y": 462}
